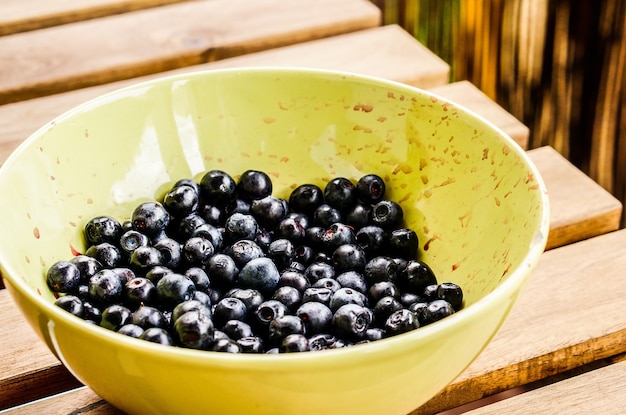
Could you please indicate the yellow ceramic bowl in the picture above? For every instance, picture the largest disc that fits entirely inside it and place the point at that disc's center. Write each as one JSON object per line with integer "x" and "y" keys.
{"x": 477, "y": 203}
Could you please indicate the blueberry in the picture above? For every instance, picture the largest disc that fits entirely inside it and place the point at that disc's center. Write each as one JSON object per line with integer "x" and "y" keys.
{"x": 347, "y": 296}
{"x": 229, "y": 308}
{"x": 181, "y": 200}
{"x": 374, "y": 333}
{"x": 222, "y": 269}
{"x": 251, "y": 344}
{"x": 87, "y": 266}
{"x": 340, "y": 193}
{"x": 190, "y": 305}
{"x": 171, "y": 252}
{"x": 226, "y": 346}
{"x": 212, "y": 215}
{"x": 292, "y": 229}
{"x": 243, "y": 252}
{"x": 187, "y": 182}
{"x": 321, "y": 295}
{"x": 144, "y": 258}
{"x": 71, "y": 304}
{"x": 139, "y": 290}
{"x": 252, "y": 298}
{"x": 407, "y": 298}
{"x": 283, "y": 326}
{"x": 237, "y": 206}
{"x": 260, "y": 274}
{"x": 338, "y": 234}
{"x": 91, "y": 312}
{"x": 387, "y": 214}
{"x": 150, "y": 218}
{"x": 213, "y": 234}
{"x": 183, "y": 228}
{"x": 194, "y": 329}
{"x": 156, "y": 273}
{"x": 416, "y": 276}
{"x": 240, "y": 226}
{"x": 384, "y": 308}
{"x": 372, "y": 239}
{"x": 269, "y": 211}
{"x": 315, "y": 316}
{"x": 348, "y": 257}
{"x": 157, "y": 335}
{"x": 325, "y": 215}
{"x": 452, "y": 293}
{"x": 105, "y": 287}
{"x": 268, "y": 311}
{"x": 403, "y": 243}
{"x": 359, "y": 215}
{"x": 352, "y": 279}
{"x": 217, "y": 186}
{"x": 289, "y": 296}
{"x": 115, "y": 316}
{"x": 199, "y": 277}
{"x": 351, "y": 321}
{"x": 102, "y": 229}
{"x": 323, "y": 341}
{"x": 294, "y": 279}
{"x": 318, "y": 270}
{"x": 379, "y": 269}
{"x": 63, "y": 277}
{"x": 197, "y": 251}
{"x": 174, "y": 288}
{"x": 106, "y": 253}
{"x": 370, "y": 189}
{"x": 437, "y": 310}
{"x": 125, "y": 274}
{"x": 131, "y": 240}
{"x": 131, "y": 330}
{"x": 306, "y": 198}
{"x": 147, "y": 316}
{"x": 237, "y": 329}
{"x": 314, "y": 236}
{"x": 382, "y": 289}
{"x": 281, "y": 251}
{"x": 330, "y": 283}
{"x": 254, "y": 184}
{"x": 293, "y": 343}
{"x": 429, "y": 293}
{"x": 401, "y": 321}
{"x": 420, "y": 310}
{"x": 303, "y": 254}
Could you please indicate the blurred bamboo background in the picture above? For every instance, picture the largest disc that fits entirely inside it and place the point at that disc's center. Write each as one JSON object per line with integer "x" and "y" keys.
{"x": 559, "y": 66}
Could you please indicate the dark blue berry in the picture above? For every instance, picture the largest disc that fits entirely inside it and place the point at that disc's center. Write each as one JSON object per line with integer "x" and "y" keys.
{"x": 226, "y": 346}
{"x": 139, "y": 290}
{"x": 359, "y": 215}
{"x": 384, "y": 308}
{"x": 294, "y": 343}
{"x": 283, "y": 326}
{"x": 197, "y": 251}
{"x": 174, "y": 288}
{"x": 131, "y": 330}
{"x": 87, "y": 266}
{"x": 372, "y": 239}
{"x": 321, "y": 295}
{"x": 194, "y": 329}
{"x": 387, "y": 214}
{"x": 147, "y": 316}
{"x": 322, "y": 341}
{"x": 306, "y": 198}
{"x": 269, "y": 310}
{"x": 251, "y": 344}
{"x": 325, "y": 215}
{"x": 347, "y": 296}
{"x": 291, "y": 228}
{"x": 72, "y": 304}
{"x": 401, "y": 321}
{"x": 252, "y": 298}
{"x": 403, "y": 243}
{"x": 144, "y": 258}
{"x": 437, "y": 310}
{"x": 260, "y": 274}
{"x": 370, "y": 189}
{"x": 244, "y": 251}
{"x": 115, "y": 316}
{"x": 289, "y": 296}
{"x": 229, "y": 308}
{"x": 171, "y": 252}
{"x": 318, "y": 270}
{"x": 254, "y": 184}
{"x": 150, "y": 218}
{"x": 106, "y": 253}
{"x": 382, "y": 289}
{"x": 102, "y": 229}
{"x": 190, "y": 305}
{"x": 157, "y": 335}
{"x": 237, "y": 329}
{"x": 351, "y": 321}
{"x": 340, "y": 193}
{"x": 131, "y": 240}
{"x": 452, "y": 293}
{"x": 63, "y": 277}
{"x": 315, "y": 316}
{"x": 181, "y": 200}
{"x": 222, "y": 269}
{"x": 217, "y": 186}
{"x": 338, "y": 234}
{"x": 282, "y": 252}
{"x": 352, "y": 279}
{"x": 211, "y": 233}
{"x": 199, "y": 277}
{"x": 269, "y": 211}
{"x": 330, "y": 283}
{"x": 348, "y": 257}
{"x": 416, "y": 276}
{"x": 240, "y": 226}
{"x": 105, "y": 287}
{"x": 294, "y": 279}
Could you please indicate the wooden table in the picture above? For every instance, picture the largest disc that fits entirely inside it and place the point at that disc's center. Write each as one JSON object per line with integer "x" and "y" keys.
{"x": 563, "y": 347}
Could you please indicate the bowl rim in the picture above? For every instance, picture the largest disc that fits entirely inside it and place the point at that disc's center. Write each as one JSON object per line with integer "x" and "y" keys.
{"x": 260, "y": 361}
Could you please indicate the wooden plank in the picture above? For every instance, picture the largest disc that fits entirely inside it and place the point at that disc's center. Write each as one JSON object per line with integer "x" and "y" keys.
{"x": 569, "y": 314}
{"x": 26, "y": 361}
{"x": 600, "y": 391}
{"x": 386, "y": 51}
{"x": 81, "y": 401}
{"x": 466, "y": 94}
{"x": 81, "y": 54}
{"x": 580, "y": 208}
{"x": 24, "y": 15}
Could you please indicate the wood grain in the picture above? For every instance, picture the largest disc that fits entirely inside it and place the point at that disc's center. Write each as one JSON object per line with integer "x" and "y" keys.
{"x": 81, "y": 401}
{"x": 580, "y": 208}
{"x": 27, "y": 364}
{"x": 600, "y": 391}
{"x": 24, "y": 15}
{"x": 107, "y": 49}
{"x": 386, "y": 51}
{"x": 569, "y": 314}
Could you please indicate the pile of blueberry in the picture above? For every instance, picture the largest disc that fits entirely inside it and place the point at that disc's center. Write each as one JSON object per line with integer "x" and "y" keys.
{"x": 221, "y": 264}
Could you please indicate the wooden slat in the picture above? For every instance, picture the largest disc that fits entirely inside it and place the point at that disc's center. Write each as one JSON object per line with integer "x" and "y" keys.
{"x": 76, "y": 55}
{"x": 580, "y": 208}
{"x": 26, "y": 364}
{"x": 466, "y": 94}
{"x": 81, "y": 401}
{"x": 24, "y": 15}
{"x": 569, "y": 314}
{"x": 386, "y": 51}
{"x": 601, "y": 391}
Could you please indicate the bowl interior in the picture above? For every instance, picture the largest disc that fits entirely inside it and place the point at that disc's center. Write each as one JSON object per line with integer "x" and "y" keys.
{"x": 467, "y": 192}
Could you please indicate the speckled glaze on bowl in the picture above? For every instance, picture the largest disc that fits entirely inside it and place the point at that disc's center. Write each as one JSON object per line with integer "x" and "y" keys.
{"x": 477, "y": 203}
